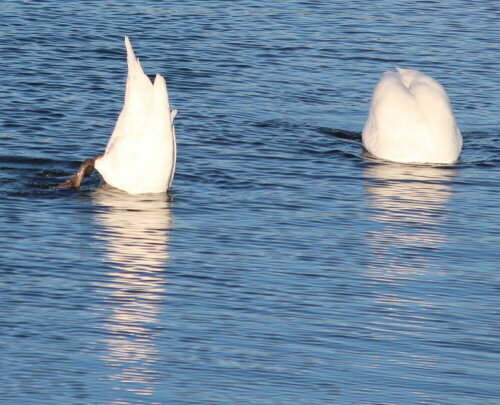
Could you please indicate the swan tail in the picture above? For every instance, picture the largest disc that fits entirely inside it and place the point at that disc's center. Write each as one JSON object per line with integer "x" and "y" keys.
{"x": 158, "y": 127}
{"x": 137, "y": 80}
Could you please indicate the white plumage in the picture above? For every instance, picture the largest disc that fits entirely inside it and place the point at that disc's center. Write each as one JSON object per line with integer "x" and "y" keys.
{"x": 410, "y": 120}
{"x": 141, "y": 153}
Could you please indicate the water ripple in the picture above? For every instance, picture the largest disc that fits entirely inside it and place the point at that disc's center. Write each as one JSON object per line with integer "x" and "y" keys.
{"x": 286, "y": 265}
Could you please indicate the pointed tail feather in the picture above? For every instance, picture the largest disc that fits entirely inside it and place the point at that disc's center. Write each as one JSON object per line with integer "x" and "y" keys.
{"x": 135, "y": 73}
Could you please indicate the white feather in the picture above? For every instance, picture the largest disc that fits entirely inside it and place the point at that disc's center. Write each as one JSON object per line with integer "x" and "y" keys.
{"x": 410, "y": 120}
{"x": 141, "y": 153}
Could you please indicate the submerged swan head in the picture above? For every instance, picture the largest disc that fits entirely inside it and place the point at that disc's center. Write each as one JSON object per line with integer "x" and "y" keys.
{"x": 411, "y": 120}
{"x": 141, "y": 153}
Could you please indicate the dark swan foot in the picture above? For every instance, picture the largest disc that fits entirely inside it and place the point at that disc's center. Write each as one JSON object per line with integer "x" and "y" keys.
{"x": 84, "y": 170}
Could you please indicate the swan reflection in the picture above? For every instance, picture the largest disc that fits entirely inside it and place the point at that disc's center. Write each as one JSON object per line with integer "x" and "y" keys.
{"x": 407, "y": 207}
{"x": 134, "y": 230}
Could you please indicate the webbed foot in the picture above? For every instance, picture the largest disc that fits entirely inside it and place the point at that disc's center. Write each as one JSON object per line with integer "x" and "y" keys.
{"x": 84, "y": 170}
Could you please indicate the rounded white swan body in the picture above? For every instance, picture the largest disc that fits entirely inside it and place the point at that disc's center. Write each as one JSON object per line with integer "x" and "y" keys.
{"x": 411, "y": 120}
{"x": 141, "y": 152}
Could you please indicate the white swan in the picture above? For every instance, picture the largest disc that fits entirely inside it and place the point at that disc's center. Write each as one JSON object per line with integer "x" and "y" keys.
{"x": 410, "y": 120}
{"x": 141, "y": 152}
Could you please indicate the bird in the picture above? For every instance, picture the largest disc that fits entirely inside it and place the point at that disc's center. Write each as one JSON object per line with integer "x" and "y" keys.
{"x": 141, "y": 153}
{"x": 410, "y": 120}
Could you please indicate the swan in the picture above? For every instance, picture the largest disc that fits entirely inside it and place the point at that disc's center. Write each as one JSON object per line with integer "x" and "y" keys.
{"x": 411, "y": 121}
{"x": 141, "y": 153}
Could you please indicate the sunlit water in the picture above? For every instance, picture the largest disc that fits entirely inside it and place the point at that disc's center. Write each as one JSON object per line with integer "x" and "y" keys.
{"x": 285, "y": 266}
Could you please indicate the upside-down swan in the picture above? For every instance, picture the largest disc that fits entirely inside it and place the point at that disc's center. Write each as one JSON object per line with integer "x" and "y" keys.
{"x": 411, "y": 121}
{"x": 141, "y": 152}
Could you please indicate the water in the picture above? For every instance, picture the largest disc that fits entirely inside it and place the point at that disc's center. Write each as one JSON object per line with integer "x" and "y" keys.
{"x": 284, "y": 267}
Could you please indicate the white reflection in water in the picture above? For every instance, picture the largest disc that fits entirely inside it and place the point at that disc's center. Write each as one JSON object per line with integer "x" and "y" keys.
{"x": 135, "y": 231}
{"x": 408, "y": 205}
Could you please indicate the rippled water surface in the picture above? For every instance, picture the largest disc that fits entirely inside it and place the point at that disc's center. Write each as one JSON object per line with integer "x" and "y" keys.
{"x": 285, "y": 266}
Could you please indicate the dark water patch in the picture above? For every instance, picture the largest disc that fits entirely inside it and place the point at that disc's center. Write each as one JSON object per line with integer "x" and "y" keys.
{"x": 25, "y": 176}
{"x": 340, "y": 134}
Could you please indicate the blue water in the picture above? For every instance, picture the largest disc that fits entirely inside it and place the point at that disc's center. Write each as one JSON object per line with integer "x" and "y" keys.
{"x": 285, "y": 266}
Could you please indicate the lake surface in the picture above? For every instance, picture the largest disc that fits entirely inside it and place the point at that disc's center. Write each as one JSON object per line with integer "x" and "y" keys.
{"x": 285, "y": 266}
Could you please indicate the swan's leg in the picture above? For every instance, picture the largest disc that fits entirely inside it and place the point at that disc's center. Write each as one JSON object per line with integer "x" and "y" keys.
{"x": 84, "y": 170}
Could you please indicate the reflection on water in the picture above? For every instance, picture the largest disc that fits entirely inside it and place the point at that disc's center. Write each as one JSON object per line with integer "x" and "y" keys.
{"x": 407, "y": 204}
{"x": 135, "y": 232}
